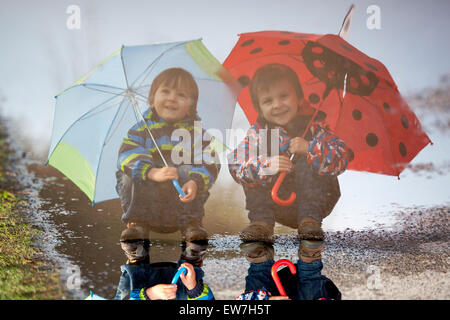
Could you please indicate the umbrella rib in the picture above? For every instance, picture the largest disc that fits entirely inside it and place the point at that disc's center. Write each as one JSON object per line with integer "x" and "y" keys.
{"x": 153, "y": 63}
{"x": 123, "y": 67}
{"x": 312, "y": 82}
{"x": 295, "y": 58}
{"x": 106, "y": 139}
{"x": 101, "y": 152}
{"x": 117, "y": 94}
{"x": 371, "y": 103}
{"x": 89, "y": 115}
{"x": 74, "y": 122}
{"x": 342, "y": 106}
{"x": 267, "y": 55}
{"x": 91, "y": 86}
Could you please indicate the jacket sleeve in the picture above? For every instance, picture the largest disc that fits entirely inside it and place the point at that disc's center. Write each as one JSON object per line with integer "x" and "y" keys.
{"x": 206, "y": 163}
{"x": 327, "y": 153}
{"x": 200, "y": 292}
{"x": 246, "y": 166}
{"x": 134, "y": 159}
{"x": 260, "y": 294}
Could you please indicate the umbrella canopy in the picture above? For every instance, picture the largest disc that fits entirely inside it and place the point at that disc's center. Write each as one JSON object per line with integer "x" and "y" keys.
{"x": 358, "y": 95}
{"x": 94, "y": 115}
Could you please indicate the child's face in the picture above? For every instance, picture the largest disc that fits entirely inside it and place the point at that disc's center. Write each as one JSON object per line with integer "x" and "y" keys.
{"x": 172, "y": 104}
{"x": 279, "y": 104}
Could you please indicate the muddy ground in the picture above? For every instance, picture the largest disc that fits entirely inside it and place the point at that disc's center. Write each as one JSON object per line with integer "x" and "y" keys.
{"x": 407, "y": 258}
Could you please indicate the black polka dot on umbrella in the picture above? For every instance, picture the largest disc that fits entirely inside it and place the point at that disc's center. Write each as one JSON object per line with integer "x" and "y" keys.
{"x": 286, "y": 32}
{"x": 320, "y": 116}
{"x": 371, "y": 66}
{"x": 405, "y": 122}
{"x": 351, "y": 155}
{"x": 402, "y": 149}
{"x": 244, "y": 80}
{"x": 314, "y": 98}
{"x": 284, "y": 42}
{"x": 256, "y": 50}
{"x": 390, "y": 84}
{"x": 300, "y": 37}
{"x": 346, "y": 47}
{"x": 247, "y": 42}
{"x": 386, "y": 107}
{"x": 357, "y": 115}
{"x": 372, "y": 139}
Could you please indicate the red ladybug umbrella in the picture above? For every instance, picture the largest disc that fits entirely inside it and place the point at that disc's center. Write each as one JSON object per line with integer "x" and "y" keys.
{"x": 358, "y": 95}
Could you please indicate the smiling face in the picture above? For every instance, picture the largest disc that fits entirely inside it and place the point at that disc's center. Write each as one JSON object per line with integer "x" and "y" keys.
{"x": 279, "y": 103}
{"x": 173, "y": 95}
{"x": 276, "y": 93}
{"x": 172, "y": 104}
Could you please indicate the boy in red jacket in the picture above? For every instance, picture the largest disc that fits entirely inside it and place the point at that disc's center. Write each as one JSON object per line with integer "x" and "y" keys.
{"x": 319, "y": 158}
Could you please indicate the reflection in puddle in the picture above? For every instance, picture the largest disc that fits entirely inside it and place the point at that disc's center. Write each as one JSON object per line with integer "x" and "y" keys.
{"x": 85, "y": 240}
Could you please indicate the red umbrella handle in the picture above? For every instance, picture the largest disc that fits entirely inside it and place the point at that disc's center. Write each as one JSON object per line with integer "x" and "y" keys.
{"x": 274, "y": 193}
{"x": 280, "y": 178}
{"x": 275, "y": 277}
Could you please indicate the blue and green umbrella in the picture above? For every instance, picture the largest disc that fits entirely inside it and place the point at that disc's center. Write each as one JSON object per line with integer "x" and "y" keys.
{"x": 94, "y": 114}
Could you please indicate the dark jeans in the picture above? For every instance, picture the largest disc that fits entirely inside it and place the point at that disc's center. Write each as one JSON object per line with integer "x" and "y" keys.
{"x": 157, "y": 203}
{"x": 316, "y": 197}
{"x": 307, "y": 284}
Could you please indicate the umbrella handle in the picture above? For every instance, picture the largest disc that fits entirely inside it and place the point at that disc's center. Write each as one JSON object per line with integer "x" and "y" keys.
{"x": 177, "y": 186}
{"x": 178, "y": 274}
{"x": 274, "y": 273}
{"x": 274, "y": 192}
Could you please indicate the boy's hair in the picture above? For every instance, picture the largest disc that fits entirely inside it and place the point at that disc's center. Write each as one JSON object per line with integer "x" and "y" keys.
{"x": 268, "y": 75}
{"x": 176, "y": 78}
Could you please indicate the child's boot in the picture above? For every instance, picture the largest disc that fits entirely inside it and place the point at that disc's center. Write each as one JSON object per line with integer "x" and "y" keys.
{"x": 135, "y": 245}
{"x": 310, "y": 250}
{"x": 257, "y": 252}
{"x": 310, "y": 229}
{"x": 257, "y": 231}
{"x": 194, "y": 231}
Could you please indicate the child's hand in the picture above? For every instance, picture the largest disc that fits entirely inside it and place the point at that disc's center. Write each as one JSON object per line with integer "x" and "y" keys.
{"x": 279, "y": 298}
{"x": 163, "y": 174}
{"x": 190, "y": 189}
{"x": 188, "y": 280}
{"x": 280, "y": 163}
{"x": 298, "y": 145}
{"x": 162, "y": 292}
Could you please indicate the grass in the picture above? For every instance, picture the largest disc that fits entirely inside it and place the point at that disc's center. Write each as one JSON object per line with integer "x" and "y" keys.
{"x": 23, "y": 275}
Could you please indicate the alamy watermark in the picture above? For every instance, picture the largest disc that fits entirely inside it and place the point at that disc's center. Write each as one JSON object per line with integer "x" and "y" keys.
{"x": 373, "y": 22}
{"x": 255, "y": 147}
{"x": 373, "y": 278}
{"x": 73, "y": 281}
{"x": 73, "y": 21}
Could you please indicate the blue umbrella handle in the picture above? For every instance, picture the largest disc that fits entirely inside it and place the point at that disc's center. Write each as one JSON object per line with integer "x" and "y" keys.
{"x": 177, "y": 186}
{"x": 178, "y": 274}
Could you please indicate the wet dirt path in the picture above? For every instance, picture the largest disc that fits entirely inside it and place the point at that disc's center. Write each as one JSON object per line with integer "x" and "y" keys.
{"x": 405, "y": 260}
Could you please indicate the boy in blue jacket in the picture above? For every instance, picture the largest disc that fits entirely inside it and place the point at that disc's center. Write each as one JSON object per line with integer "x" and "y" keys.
{"x": 148, "y": 198}
{"x": 142, "y": 280}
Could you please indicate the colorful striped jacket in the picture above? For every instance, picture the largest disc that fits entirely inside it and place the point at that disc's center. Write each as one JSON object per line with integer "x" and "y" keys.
{"x": 200, "y": 292}
{"x": 136, "y": 278}
{"x": 260, "y": 294}
{"x": 248, "y": 165}
{"x": 138, "y": 154}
